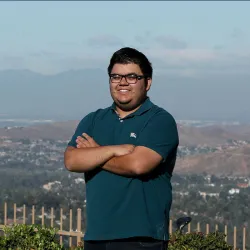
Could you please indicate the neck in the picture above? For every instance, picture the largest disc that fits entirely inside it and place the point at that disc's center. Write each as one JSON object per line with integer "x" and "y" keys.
{"x": 121, "y": 113}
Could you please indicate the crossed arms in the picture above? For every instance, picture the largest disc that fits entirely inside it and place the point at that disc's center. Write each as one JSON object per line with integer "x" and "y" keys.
{"x": 158, "y": 139}
{"x": 125, "y": 160}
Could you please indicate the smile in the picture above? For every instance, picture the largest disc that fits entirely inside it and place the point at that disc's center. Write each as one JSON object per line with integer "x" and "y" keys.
{"x": 123, "y": 90}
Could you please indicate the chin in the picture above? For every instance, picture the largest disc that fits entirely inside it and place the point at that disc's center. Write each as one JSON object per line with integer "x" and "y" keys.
{"x": 124, "y": 101}
{"x": 125, "y": 106}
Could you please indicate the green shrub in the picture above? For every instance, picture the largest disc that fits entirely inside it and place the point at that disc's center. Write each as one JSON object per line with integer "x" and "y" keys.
{"x": 36, "y": 237}
{"x": 27, "y": 237}
{"x": 80, "y": 246}
{"x": 198, "y": 241}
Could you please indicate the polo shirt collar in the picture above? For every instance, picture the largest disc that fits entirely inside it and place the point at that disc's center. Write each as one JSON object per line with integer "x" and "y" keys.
{"x": 146, "y": 105}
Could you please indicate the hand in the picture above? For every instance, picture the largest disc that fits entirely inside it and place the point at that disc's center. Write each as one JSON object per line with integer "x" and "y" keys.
{"x": 86, "y": 141}
{"x": 124, "y": 149}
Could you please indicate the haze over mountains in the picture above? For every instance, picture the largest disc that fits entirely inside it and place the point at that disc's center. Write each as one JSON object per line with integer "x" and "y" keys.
{"x": 72, "y": 94}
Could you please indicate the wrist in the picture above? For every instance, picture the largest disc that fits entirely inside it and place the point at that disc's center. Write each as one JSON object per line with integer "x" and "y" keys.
{"x": 112, "y": 150}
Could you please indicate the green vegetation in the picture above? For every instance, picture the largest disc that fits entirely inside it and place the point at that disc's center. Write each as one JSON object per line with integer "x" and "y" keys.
{"x": 198, "y": 241}
{"x": 26, "y": 166}
{"x": 32, "y": 237}
{"x": 35, "y": 237}
{"x": 27, "y": 237}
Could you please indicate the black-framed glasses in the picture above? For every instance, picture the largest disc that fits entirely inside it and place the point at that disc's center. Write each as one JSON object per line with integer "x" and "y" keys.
{"x": 130, "y": 78}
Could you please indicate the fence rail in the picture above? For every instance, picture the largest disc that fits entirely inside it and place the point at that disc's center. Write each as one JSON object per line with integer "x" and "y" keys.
{"x": 78, "y": 234}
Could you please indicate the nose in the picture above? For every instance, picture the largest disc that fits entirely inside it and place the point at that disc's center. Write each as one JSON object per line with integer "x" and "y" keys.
{"x": 123, "y": 81}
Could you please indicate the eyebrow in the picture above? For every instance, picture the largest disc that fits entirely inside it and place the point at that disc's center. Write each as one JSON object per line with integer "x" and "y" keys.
{"x": 130, "y": 73}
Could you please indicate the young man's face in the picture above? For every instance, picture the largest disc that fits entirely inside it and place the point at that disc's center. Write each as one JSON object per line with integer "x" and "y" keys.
{"x": 128, "y": 96}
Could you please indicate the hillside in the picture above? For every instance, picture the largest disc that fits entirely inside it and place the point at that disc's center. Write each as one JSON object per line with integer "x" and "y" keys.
{"x": 55, "y": 131}
{"x": 189, "y": 136}
{"x": 231, "y": 162}
{"x": 230, "y": 143}
{"x": 211, "y": 135}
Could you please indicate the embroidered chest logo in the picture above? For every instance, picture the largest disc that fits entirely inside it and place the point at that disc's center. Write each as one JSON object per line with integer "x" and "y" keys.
{"x": 133, "y": 135}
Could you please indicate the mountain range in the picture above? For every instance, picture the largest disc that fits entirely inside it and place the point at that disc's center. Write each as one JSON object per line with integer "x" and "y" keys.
{"x": 74, "y": 93}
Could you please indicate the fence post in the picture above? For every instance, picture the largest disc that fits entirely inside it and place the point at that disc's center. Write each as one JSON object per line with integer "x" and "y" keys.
{"x": 226, "y": 233}
{"x": 170, "y": 226}
{"x": 79, "y": 225}
{"x": 14, "y": 213}
{"x": 52, "y": 217}
{"x": 235, "y": 243}
{"x": 33, "y": 214}
{"x": 207, "y": 228}
{"x": 42, "y": 216}
{"x": 198, "y": 227}
{"x": 61, "y": 224}
{"x": 5, "y": 213}
{"x": 244, "y": 238}
{"x": 70, "y": 227}
{"x": 24, "y": 214}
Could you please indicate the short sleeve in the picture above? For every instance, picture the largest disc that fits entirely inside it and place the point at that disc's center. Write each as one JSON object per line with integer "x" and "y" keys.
{"x": 84, "y": 126}
{"x": 160, "y": 134}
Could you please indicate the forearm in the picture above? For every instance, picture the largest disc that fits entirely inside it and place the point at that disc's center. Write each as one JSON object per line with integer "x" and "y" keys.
{"x": 121, "y": 165}
{"x": 86, "y": 159}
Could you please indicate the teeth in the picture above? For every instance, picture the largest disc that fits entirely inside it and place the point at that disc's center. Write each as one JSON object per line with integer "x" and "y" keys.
{"x": 123, "y": 90}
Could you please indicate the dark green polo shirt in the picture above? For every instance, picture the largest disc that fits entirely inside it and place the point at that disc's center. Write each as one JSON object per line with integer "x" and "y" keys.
{"x": 121, "y": 207}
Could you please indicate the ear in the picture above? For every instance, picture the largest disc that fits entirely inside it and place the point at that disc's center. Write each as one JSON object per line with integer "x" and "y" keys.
{"x": 148, "y": 83}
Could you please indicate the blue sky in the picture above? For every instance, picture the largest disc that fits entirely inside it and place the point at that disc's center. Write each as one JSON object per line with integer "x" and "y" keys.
{"x": 200, "y": 50}
{"x": 185, "y": 37}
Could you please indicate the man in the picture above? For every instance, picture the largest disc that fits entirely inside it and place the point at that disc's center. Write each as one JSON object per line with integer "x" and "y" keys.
{"x": 127, "y": 153}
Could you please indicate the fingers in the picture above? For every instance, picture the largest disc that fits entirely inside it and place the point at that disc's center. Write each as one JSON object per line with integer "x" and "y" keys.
{"x": 85, "y": 141}
{"x": 90, "y": 140}
{"x": 87, "y": 137}
{"x": 79, "y": 139}
{"x": 81, "y": 142}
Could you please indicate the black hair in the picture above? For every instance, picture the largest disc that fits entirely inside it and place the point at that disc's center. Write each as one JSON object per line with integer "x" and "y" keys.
{"x": 130, "y": 55}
